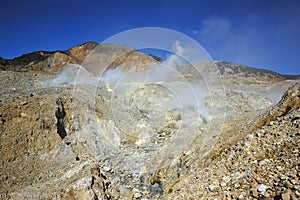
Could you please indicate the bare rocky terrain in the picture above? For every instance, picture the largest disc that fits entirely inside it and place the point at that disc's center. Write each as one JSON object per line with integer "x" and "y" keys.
{"x": 66, "y": 134}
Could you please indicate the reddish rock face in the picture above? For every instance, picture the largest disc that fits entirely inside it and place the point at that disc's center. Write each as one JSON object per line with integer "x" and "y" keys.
{"x": 110, "y": 56}
{"x": 80, "y": 52}
{"x": 53, "y": 63}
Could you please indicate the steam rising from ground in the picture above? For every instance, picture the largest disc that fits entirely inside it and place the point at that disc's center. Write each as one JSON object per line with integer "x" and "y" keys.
{"x": 189, "y": 94}
{"x": 151, "y": 115}
{"x": 66, "y": 77}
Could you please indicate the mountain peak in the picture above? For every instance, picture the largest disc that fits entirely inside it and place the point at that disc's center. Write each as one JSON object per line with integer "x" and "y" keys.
{"x": 48, "y": 60}
{"x": 87, "y": 45}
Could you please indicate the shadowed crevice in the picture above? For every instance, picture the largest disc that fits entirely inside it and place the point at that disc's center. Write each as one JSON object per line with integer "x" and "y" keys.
{"x": 60, "y": 115}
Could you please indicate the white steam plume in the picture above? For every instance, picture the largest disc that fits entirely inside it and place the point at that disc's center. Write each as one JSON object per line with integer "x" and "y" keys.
{"x": 66, "y": 77}
{"x": 189, "y": 94}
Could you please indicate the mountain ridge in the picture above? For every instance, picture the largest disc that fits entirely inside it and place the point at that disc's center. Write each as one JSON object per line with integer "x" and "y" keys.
{"x": 77, "y": 54}
{"x": 222, "y": 65}
{"x": 55, "y": 61}
{"x": 30, "y": 61}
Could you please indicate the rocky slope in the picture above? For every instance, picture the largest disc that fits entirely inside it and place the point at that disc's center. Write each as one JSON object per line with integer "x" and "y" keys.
{"x": 264, "y": 164}
{"x": 82, "y": 141}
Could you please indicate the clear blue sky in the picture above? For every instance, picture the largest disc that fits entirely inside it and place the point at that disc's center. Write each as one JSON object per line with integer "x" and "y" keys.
{"x": 257, "y": 33}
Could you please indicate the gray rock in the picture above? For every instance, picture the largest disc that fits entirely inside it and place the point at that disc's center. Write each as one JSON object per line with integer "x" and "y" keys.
{"x": 226, "y": 179}
{"x": 136, "y": 193}
{"x": 223, "y": 184}
{"x": 212, "y": 188}
{"x": 261, "y": 188}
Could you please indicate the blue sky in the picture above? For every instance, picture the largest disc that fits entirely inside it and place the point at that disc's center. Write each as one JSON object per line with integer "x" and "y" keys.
{"x": 257, "y": 33}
